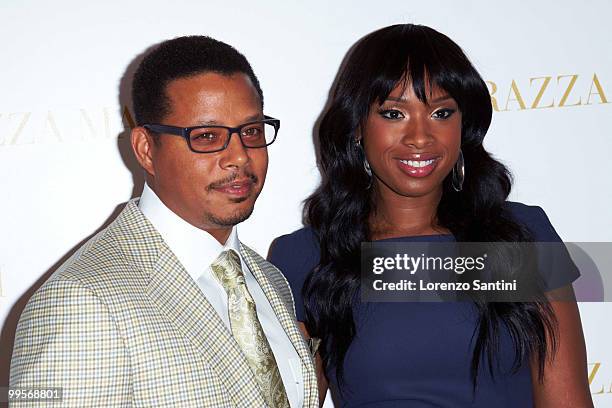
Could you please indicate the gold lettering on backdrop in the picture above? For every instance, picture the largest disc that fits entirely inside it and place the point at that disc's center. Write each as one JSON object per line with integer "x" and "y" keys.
{"x": 107, "y": 127}
{"x": 569, "y": 88}
{"x": 93, "y": 131}
{"x": 25, "y": 116}
{"x": 94, "y": 126}
{"x": 127, "y": 117}
{"x": 538, "y": 97}
{"x": 566, "y": 85}
{"x": 600, "y": 92}
{"x": 592, "y": 375}
{"x": 517, "y": 97}
{"x": 67, "y": 125}
{"x": 492, "y": 91}
{"x": 50, "y": 125}
{"x": 127, "y": 120}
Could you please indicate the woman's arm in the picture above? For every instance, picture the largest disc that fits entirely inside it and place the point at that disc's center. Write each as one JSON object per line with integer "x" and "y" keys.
{"x": 321, "y": 379}
{"x": 565, "y": 382}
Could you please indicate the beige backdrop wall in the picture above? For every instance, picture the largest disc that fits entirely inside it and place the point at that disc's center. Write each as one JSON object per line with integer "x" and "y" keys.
{"x": 65, "y": 167}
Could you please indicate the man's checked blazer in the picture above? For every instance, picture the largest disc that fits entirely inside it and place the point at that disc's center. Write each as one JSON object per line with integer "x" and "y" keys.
{"x": 121, "y": 323}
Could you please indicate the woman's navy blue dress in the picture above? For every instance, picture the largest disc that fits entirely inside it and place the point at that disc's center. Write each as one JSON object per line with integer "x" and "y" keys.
{"x": 419, "y": 354}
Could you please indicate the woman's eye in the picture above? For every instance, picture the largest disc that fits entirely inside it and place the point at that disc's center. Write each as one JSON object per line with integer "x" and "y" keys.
{"x": 391, "y": 114}
{"x": 443, "y": 113}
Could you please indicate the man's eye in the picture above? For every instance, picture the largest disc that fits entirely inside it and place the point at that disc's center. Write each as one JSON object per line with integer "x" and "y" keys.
{"x": 205, "y": 136}
{"x": 443, "y": 113}
{"x": 252, "y": 131}
{"x": 391, "y": 114}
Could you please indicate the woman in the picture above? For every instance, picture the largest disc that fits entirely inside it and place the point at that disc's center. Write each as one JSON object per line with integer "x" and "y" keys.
{"x": 402, "y": 160}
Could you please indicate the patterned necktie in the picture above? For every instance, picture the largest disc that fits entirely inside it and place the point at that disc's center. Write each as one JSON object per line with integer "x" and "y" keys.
{"x": 247, "y": 330}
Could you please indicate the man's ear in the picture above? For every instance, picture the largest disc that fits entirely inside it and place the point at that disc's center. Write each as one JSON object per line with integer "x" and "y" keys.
{"x": 143, "y": 146}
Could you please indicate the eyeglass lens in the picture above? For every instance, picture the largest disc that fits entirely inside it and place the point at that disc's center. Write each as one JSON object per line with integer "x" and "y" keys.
{"x": 213, "y": 138}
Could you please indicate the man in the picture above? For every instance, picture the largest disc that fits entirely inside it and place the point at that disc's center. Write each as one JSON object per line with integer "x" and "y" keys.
{"x": 166, "y": 307}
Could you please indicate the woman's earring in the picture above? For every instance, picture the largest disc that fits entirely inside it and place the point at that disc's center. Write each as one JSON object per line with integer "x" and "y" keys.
{"x": 366, "y": 165}
{"x": 458, "y": 173}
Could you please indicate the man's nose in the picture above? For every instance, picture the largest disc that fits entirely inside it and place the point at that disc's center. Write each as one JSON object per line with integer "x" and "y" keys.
{"x": 235, "y": 154}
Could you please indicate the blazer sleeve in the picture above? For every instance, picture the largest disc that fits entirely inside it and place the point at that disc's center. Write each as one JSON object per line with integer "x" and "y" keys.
{"x": 67, "y": 338}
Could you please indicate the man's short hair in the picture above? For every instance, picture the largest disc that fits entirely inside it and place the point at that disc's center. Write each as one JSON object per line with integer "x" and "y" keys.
{"x": 180, "y": 58}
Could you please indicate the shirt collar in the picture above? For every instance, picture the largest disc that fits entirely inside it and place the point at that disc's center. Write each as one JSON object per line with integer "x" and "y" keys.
{"x": 195, "y": 248}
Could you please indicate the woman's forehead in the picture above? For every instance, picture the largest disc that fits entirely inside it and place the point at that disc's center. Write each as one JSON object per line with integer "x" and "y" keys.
{"x": 406, "y": 90}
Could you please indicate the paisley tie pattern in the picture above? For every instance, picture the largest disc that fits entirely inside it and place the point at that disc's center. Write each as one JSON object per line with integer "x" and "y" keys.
{"x": 247, "y": 330}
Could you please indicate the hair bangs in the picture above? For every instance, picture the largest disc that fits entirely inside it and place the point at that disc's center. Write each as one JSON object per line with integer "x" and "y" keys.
{"x": 410, "y": 60}
{"x": 426, "y": 60}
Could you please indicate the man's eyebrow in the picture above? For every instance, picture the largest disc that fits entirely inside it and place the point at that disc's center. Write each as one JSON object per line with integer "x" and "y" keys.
{"x": 213, "y": 122}
{"x": 253, "y": 118}
{"x": 207, "y": 123}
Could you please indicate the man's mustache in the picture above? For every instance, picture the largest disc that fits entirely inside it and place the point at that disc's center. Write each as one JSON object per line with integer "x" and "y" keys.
{"x": 220, "y": 183}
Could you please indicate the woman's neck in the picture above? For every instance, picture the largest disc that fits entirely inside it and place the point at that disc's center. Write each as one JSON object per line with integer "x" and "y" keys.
{"x": 398, "y": 216}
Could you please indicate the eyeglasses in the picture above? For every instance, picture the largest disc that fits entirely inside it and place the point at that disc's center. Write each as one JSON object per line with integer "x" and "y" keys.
{"x": 210, "y": 139}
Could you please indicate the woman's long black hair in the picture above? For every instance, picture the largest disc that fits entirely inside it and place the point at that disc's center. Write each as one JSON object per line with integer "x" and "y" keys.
{"x": 339, "y": 210}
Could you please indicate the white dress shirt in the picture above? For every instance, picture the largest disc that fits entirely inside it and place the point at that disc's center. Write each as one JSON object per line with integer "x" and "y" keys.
{"x": 196, "y": 249}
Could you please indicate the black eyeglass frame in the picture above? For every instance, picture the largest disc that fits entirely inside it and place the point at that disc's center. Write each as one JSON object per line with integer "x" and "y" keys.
{"x": 185, "y": 132}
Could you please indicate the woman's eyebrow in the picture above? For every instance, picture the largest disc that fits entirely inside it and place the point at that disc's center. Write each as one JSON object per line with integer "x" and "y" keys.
{"x": 396, "y": 99}
{"x": 441, "y": 98}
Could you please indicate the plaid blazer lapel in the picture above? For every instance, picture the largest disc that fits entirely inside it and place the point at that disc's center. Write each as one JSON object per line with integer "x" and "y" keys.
{"x": 263, "y": 271}
{"x": 173, "y": 291}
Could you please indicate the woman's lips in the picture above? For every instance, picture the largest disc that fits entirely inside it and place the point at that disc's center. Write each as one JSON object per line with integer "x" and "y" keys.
{"x": 418, "y": 168}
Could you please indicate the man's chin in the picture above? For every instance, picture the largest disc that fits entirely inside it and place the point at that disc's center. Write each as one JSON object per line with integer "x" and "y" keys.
{"x": 231, "y": 218}
{"x": 237, "y": 200}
